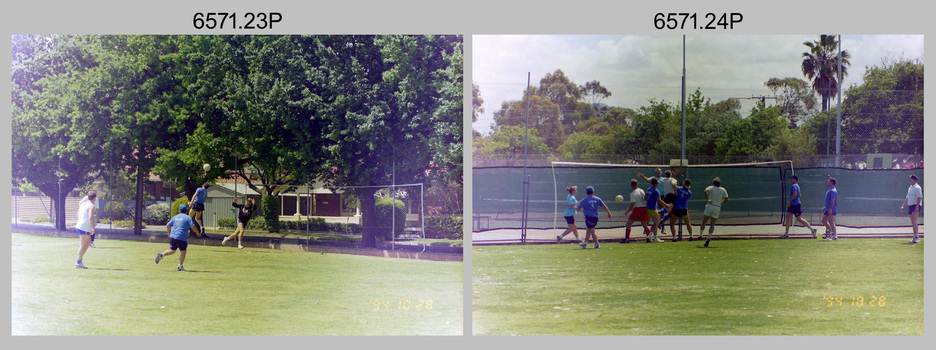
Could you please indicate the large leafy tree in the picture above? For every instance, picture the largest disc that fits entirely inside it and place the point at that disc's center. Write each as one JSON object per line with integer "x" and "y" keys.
{"x": 795, "y": 99}
{"x": 543, "y": 116}
{"x": 885, "y": 112}
{"x": 506, "y": 146}
{"x": 385, "y": 97}
{"x": 820, "y": 65}
{"x": 61, "y": 98}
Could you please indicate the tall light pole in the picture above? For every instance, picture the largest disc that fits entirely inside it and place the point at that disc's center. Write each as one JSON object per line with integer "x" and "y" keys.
{"x": 838, "y": 114}
{"x": 683, "y": 104}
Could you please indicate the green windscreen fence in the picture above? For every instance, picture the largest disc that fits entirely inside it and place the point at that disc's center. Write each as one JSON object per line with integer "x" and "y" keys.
{"x": 758, "y": 193}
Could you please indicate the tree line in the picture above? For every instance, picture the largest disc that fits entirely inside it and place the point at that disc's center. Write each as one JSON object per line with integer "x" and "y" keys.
{"x": 273, "y": 111}
{"x": 882, "y": 114}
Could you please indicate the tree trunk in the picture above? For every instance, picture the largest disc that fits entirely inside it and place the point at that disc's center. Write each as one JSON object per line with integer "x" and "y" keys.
{"x": 60, "y": 210}
{"x": 368, "y": 218}
{"x": 138, "y": 205}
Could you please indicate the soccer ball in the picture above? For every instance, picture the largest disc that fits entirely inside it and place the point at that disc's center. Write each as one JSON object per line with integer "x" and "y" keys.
{"x": 206, "y": 167}
{"x": 619, "y": 199}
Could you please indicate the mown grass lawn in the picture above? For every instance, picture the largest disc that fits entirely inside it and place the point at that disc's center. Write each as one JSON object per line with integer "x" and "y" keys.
{"x": 734, "y": 287}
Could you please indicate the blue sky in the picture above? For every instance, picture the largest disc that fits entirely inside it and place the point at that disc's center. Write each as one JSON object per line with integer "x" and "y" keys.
{"x": 636, "y": 68}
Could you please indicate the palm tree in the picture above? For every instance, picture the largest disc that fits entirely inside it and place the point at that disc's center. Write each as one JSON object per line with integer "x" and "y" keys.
{"x": 820, "y": 65}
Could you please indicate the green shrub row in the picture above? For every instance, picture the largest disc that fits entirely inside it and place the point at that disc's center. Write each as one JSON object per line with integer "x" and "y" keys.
{"x": 444, "y": 227}
{"x": 314, "y": 224}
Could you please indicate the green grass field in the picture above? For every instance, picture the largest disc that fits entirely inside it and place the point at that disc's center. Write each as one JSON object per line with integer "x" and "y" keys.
{"x": 734, "y": 287}
{"x": 226, "y": 291}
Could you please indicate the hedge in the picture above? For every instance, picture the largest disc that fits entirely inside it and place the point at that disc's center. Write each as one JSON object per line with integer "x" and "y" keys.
{"x": 444, "y": 227}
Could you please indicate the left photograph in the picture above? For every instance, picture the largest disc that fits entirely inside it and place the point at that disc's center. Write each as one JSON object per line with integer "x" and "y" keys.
{"x": 237, "y": 185}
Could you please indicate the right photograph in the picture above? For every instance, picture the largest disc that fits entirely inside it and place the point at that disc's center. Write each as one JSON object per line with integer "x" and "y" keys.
{"x": 697, "y": 185}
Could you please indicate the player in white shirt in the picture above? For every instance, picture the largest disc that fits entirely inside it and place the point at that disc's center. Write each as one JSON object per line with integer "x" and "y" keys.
{"x": 716, "y": 196}
{"x": 85, "y": 227}
{"x": 96, "y": 206}
{"x": 915, "y": 200}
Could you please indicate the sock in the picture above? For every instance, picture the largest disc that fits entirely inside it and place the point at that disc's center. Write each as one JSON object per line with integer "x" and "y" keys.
{"x": 77, "y": 261}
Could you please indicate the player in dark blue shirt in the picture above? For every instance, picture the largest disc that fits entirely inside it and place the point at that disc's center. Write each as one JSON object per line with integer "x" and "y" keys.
{"x": 589, "y": 206}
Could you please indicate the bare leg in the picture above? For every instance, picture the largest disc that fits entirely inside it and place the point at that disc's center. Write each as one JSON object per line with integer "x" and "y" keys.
{"x": 84, "y": 241}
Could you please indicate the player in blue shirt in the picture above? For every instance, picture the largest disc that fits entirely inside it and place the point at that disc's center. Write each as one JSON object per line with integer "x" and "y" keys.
{"x": 794, "y": 208}
{"x": 571, "y": 207}
{"x": 681, "y": 209}
{"x": 653, "y": 202}
{"x": 198, "y": 206}
{"x": 589, "y": 206}
{"x": 829, "y": 210}
{"x": 177, "y": 228}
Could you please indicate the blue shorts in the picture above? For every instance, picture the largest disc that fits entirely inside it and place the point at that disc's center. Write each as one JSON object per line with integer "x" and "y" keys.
{"x": 911, "y": 209}
{"x": 80, "y": 232}
{"x": 591, "y": 221}
{"x": 826, "y": 212}
{"x": 796, "y": 209}
{"x": 570, "y": 220}
{"x": 177, "y": 244}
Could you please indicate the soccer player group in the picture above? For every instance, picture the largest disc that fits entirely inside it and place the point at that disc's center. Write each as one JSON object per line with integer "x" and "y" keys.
{"x": 177, "y": 228}
{"x": 651, "y": 209}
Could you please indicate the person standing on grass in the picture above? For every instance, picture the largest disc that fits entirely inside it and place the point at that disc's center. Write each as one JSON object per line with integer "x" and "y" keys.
{"x": 830, "y": 210}
{"x": 589, "y": 206}
{"x": 571, "y": 208}
{"x": 715, "y": 196}
{"x": 198, "y": 207}
{"x": 653, "y": 203}
{"x": 637, "y": 210}
{"x": 681, "y": 209}
{"x": 85, "y": 227}
{"x": 915, "y": 200}
{"x": 177, "y": 228}
{"x": 96, "y": 206}
{"x": 245, "y": 211}
{"x": 794, "y": 208}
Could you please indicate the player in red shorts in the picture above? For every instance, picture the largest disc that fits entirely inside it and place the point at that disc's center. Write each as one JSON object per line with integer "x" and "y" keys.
{"x": 637, "y": 210}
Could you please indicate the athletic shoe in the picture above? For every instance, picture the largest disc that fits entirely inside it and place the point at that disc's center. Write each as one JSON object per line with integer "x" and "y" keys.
{"x": 79, "y": 265}
{"x": 92, "y": 244}
{"x": 159, "y": 257}
{"x": 690, "y": 238}
{"x": 223, "y": 241}
{"x": 180, "y": 268}
{"x": 834, "y": 238}
{"x": 596, "y": 245}
{"x": 785, "y": 235}
{"x": 578, "y": 241}
{"x": 706, "y": 243}
{"x": 656, "y": 240}
{"x": 814, "y": 233}
{"x": 583, "y": 244}
{"x": 240, "y": 246}
{"x": 202, "y": 229}
{"x": 915, "y": 240}
{"x": 826, "y": 235}
{"x": 625, "y": 241}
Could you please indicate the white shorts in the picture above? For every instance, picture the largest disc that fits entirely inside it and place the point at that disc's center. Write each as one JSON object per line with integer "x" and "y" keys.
{"x": 712, "y": 211}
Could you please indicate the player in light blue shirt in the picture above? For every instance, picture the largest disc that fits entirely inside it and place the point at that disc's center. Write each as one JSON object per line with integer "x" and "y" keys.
{"x": 571, "y": 208}
{"x": 589, "y": 206}
{"x": 177, "y": 228}
{"x": 829, "y": 210}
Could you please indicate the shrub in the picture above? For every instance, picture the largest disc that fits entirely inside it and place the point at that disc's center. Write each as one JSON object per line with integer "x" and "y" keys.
{"x": 269, "y": 206}
{"x": 39, "y": 219}
{"x": 318, "y": 224}
{"x": 116, "y": 210}
{"x": 385, "y": 213}
{"x": 175, "y": 206}
{"x": 227, "y": 222}
{"x": 445, "y": 227}
{"x": 257, "y": 223}
{"x": 125, "y": 223}
{"x": 157, "y": 214}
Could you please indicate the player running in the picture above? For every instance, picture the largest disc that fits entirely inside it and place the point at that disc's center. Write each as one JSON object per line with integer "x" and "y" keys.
{"x": 794, "y": 208}
{"x": 915, "y": 196}
{"x": 245, "y": 211}
{"x": 715, "y": 196}
{"x": 637, "y": 210}
{"x": 571, "y": 204}
{"x": 85, "y": 227}
{"x": 176, "y": 228}
{"x": 198, "y": 206}
{"x": 829, "y": 210}
{"x": 681, "y": 209}
{"x": 589, "y": 206}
